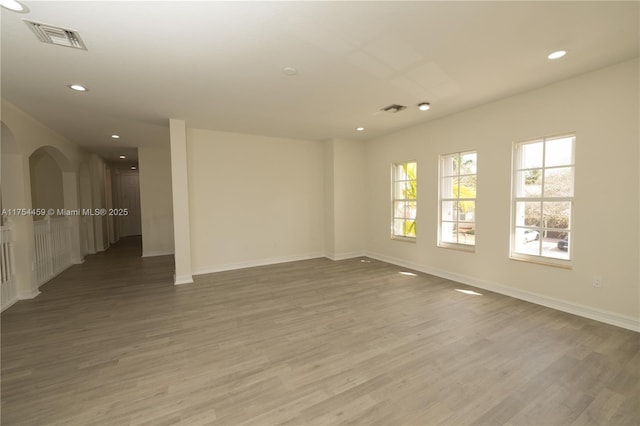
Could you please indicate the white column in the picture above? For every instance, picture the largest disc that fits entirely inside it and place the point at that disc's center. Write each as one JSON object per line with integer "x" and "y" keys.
{"x": 72, "y": 202}
{"x": 24, "y": 247}
{"x": 329, "y": 212}
{"x": 344, "y": 199}
{"x": 98, "y": 201}
{"x": 87, "y": 233}
{"x": 180, "y": 189}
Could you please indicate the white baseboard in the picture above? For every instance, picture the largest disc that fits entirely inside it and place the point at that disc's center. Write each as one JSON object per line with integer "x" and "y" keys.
{"x": 607, "y": 317}
{"x": 8, "y": 304}
{"x": 156, "y": 253}
{"x": 182, "y": 279}
{"x": 252, "y": 263}
{"x": 52, "y": 277}
{"x": 32, "y": 295}
{"x": 344, "y": 256}
{"x": 21, "y": 296}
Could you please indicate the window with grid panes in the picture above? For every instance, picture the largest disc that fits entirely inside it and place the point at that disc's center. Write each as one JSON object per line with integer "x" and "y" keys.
{"x": 542, "y": 199}
{"x": 458, "y": 187}
{"x": 404, "y": 200}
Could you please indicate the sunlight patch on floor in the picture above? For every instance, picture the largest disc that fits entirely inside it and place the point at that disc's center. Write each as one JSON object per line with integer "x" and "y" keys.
{"x": 471, "y": 292}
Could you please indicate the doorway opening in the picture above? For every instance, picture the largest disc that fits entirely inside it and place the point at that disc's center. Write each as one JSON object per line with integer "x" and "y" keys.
{"x": 123, "y": 195}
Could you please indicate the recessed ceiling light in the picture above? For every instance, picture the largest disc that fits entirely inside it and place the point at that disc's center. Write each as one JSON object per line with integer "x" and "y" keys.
{"x": 14, "y": 6}
{"x": 122, "y": 157}
{"x": 424, "y": 106}
{"x": 77, "y": 88}
{"x": 134, "y": 168}
{"x": 289, "y": 71}
{"x": 115, "y": 136}
{"x": 557, "y": 54}
{"x": 360, "y": 129}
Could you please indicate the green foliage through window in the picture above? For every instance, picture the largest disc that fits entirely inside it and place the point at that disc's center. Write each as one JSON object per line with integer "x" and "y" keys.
{"x": 405, "y": 195}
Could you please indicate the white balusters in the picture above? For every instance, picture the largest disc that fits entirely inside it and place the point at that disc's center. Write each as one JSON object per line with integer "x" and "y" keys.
{"x": 8, "y": 291}
{"x": 53, "y": 247}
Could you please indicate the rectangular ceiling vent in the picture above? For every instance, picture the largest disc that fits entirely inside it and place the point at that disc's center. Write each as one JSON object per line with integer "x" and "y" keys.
{"x": 393, "y": 108}
{"x": 54, "y": 35}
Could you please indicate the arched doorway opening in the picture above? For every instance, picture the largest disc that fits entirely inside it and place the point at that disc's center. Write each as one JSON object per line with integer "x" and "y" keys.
{"x": 54, "y": 199}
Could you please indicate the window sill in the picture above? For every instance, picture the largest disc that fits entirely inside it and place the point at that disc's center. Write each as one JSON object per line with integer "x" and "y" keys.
{"x": 459, "y": 247}
{"x": 405, "y": 239}
{"x": 545, "y": 261}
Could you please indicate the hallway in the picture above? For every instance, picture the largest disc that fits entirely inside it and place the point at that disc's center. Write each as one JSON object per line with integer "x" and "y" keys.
{"x": 103, "y": 277}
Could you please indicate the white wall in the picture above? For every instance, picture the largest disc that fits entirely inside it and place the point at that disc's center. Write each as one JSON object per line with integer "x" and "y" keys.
{"x": 156, "y": 203}
{"x": 602, "y": 108}
{"x": 253, "y": 199}
{"x": 46, "y": 182}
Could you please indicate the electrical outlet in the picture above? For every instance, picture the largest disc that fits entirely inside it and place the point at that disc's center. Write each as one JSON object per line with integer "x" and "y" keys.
{"x": 597, "y": 281}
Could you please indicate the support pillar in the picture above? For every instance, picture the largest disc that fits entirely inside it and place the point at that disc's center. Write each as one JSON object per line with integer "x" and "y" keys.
{"x": 180, "y": 189}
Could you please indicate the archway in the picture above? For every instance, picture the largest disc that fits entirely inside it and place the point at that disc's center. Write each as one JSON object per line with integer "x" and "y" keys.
{"x": 54, "y": 199}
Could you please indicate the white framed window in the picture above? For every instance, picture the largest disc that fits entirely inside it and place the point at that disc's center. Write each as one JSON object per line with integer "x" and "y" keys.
{"x": 542, "y": 200}
{"x": 404, "y": 200}
{"x": 457, "y": 200}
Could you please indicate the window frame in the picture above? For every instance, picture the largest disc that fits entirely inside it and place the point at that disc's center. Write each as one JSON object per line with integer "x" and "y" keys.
{"x": 541, "y": 258}
{"x": 403, "y": 237}
{"x": 448, "y": 244}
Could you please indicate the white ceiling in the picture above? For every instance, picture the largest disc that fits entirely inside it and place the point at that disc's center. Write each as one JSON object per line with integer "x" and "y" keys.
{"x": 218, "y": 65}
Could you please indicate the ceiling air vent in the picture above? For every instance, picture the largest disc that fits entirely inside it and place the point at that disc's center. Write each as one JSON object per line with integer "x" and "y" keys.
{"x": 393, "y": 108}
{"x": 54, "y": 35}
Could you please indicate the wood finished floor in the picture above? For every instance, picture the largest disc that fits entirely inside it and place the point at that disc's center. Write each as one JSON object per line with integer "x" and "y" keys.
{"x": 113, "y": 342}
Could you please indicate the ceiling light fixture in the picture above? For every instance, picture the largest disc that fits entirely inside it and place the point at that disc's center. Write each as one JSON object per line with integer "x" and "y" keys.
{"x": 78, "y": 88}
{"x": 134, "y": 168}
{"x": 557, "y": 54}
{"x": 115, "y": 136}
{"x": 360, "y": 129}
{"x": 122, "y": 157}
{"x": 14, "y": 6}
{"x": 424, "y": 106}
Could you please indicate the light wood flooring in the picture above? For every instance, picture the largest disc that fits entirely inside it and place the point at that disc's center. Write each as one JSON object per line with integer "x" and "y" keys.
{"x": 113, "y": 342}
